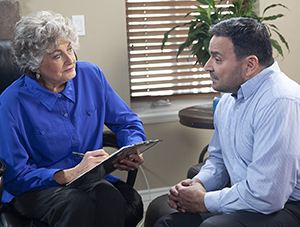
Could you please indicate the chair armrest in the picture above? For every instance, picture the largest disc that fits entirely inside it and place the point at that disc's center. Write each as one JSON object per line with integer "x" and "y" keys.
{"x": 2, "y": 170}
{"x": 194, "y": 170}
{"x": 109, "y": 140}
{"x": 2, "y": 167}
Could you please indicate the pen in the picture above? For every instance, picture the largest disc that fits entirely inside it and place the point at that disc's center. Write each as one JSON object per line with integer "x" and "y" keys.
{"x": 79, "y": 154}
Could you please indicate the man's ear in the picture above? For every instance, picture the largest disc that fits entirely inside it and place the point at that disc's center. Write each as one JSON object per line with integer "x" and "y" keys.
{"x": 251, "y": 66}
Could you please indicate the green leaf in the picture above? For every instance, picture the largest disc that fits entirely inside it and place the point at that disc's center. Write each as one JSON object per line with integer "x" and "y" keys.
{"x": 201, "y": 10}
{"x": 166, "y": 35}
{"x": 248, "y": 12}
{"x": 282, "y": 40}
{"x": 220, "y": 2}
{"x": 209, "y": 13}
{"x": 198, "y": 38}
{"x": 190, "y": 13}
{"x": 204, "y": 2}
{"x": 271, "y": 25}
{"x": 232, "y": 9}
{"x": 274, "y": 17}
{"x": 276, "y": 45}
{"x": 180, "y": 49}
{"x": 273, "y": 6}
{"x": 214, "y": 5}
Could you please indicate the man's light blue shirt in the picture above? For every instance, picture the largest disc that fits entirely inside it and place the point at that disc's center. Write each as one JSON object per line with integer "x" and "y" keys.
{"x": 40, "y": 129}
{"x": 255, "y": 147}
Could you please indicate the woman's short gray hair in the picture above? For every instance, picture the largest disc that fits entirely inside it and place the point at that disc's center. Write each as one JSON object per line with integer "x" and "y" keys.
{"x": 38, "y": 34}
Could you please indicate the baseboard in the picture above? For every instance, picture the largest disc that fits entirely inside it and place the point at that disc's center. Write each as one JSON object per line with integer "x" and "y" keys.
{"x": 149, "y": 195}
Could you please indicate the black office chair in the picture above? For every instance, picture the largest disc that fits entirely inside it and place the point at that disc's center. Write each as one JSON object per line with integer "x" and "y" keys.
{"x": 9, "y": 217}
{"x": 8, "y": 71}
{"x": 159, "y": 206}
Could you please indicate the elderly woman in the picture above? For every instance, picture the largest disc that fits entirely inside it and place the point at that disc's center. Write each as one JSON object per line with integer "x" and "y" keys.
{"x": 57, "y": 107}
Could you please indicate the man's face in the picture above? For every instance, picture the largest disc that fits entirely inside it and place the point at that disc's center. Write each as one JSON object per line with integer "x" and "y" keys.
{"x": 226, "y": 72}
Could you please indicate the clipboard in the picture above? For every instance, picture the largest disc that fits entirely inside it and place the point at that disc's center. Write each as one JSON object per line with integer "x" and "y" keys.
{"x": 107, "y": 165}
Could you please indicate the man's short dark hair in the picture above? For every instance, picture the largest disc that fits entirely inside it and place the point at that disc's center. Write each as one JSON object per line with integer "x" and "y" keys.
{"x": 249, "y": 37}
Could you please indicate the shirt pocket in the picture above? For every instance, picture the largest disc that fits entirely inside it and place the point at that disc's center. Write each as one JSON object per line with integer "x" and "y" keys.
{"x": 89, "y": 120}
{"x": 50, "y": 144}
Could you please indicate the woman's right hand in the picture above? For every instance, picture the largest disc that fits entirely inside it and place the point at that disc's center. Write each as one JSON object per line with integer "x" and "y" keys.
{"x": 90, "y": 159}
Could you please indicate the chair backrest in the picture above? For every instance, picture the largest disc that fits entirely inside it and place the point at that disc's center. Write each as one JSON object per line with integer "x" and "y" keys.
{"x": 8, "y": 71}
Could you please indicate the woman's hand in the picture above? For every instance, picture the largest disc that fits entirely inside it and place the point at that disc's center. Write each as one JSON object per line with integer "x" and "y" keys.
{"x": 90, "y": 159}
{"x": 131, "y": 162}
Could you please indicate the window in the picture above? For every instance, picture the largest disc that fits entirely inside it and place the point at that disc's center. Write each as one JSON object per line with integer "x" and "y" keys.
{"x": 155, "y": 74}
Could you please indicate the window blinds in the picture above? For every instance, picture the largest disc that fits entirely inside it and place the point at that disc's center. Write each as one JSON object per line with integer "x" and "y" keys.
{"x": 157, "y": 74}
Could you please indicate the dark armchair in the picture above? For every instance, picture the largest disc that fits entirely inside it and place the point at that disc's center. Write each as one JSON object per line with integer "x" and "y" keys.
{"x": 159, "y": 206}
{"x": 9, "y": 217}
{"x": 8, "y": 71}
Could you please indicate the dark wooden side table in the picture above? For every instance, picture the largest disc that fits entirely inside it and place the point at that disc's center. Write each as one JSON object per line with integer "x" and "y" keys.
{"x": 199, "y": 116}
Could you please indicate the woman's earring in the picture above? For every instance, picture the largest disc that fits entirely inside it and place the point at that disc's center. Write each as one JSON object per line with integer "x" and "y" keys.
{"x": 37, "y": 76}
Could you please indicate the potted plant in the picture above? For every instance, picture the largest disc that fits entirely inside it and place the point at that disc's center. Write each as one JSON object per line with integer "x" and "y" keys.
{"x": 199, "y": 38}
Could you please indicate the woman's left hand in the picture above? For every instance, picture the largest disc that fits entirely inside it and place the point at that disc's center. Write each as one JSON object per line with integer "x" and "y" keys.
{"x": 132, "y": 162}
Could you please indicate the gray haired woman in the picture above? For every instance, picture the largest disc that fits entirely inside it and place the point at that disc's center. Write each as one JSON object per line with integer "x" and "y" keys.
{"x": 38, "y": 34}
{"x": 57, "y": 107}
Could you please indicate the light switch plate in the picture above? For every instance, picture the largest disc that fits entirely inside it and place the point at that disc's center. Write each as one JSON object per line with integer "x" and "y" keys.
{"x": 78, "y": 21}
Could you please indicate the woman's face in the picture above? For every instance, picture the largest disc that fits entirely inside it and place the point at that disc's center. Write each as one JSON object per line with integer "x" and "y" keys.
{"x": 57, "y": 67}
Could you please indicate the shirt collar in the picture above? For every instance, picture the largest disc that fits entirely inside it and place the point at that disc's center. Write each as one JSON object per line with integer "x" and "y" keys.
{"x": 46, "y": 97}
{"x": 252, "y": 85}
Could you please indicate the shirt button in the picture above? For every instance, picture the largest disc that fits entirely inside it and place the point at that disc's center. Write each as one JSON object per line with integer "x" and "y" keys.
{"x": 74, "y": 138}
{"x": 59, "y": 95}
{"x": 89, "y": 112}
{"x": 238, "y": 179}
{"x": 66, "y": 114}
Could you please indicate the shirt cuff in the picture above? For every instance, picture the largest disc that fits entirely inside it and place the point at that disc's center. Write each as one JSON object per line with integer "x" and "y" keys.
{"x": 206, "y": 180}
{"x": 212, "y": 202}
{"x": 48, "y": 176}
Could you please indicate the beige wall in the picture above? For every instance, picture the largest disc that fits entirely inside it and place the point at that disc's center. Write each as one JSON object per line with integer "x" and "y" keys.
{"x": 105, "y": 45}
{"x": 289, "y": 26}
{"x": 105, "y": 40}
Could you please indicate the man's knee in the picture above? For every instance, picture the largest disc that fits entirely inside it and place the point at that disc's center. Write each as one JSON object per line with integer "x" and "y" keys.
{"x": 178, "y": 219}
{"x": 227, "y": 220}
{"x": 214, "y": 221}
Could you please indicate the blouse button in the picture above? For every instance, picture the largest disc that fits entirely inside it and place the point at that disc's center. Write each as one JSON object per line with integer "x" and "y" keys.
{"x": 66, "y": 114}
